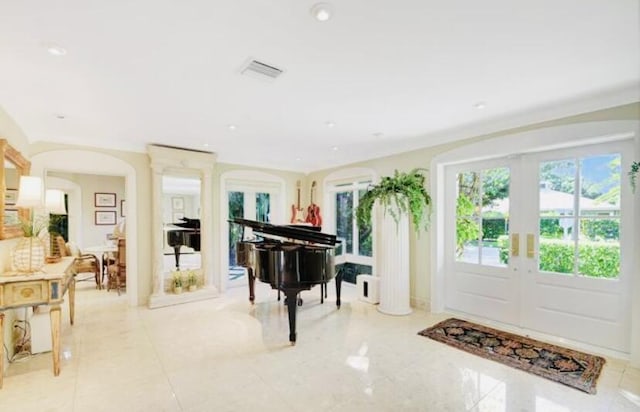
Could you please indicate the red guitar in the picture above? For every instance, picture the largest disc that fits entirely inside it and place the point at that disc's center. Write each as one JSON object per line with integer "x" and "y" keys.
{"x": 296, "y": 211}
{"x": 313, "y": 211}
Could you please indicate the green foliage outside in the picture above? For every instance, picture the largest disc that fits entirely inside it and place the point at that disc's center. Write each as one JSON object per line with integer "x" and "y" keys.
{"x": 595, "y": 259}
{"x": 467, "y": 227}
{"x": 492, "y": 228}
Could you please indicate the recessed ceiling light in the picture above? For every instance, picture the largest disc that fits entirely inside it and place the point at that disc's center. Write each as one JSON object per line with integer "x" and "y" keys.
{"x": 330, "y": 124}
{"x": 378, "y": 134}
{"x": 321, "y": 11}
{"x": 56, "y": 50}
{"x": 206, "y": 145}
{"x": 60, "y": 116}
{"x": 334, "y": 148}
{"x": 480, "y": 105}
{"x": 232, "y": 127}
{"x": 298, "y": 159}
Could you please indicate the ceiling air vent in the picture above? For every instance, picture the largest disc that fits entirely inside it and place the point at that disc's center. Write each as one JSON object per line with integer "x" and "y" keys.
{"x": 261, "y": 70}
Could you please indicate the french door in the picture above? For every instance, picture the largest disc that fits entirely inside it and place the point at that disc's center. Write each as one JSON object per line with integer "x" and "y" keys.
{"x": 248, "y": 204}
{"x": 538, "y": 241}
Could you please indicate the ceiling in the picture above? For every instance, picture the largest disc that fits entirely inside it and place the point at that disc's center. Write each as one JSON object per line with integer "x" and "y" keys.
{"x": 388, "y": 76}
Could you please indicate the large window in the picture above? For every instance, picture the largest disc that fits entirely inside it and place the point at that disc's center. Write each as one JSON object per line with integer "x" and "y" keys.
{"x": 354, "y": 255}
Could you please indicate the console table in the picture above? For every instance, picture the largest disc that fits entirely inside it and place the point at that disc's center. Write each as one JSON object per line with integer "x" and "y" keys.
{"x": 48, "y": 287}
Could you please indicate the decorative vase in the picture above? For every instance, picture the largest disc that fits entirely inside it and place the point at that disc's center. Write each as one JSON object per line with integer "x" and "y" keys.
{"x": 193, "y": 288}
{"x": 177, "y": 290}
{"x": 29, "y": 255}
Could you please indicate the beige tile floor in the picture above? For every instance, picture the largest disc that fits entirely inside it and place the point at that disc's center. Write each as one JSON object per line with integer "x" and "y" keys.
{"x": 226, "y": 355}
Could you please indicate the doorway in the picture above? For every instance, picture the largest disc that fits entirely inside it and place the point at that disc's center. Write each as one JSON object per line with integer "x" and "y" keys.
{"x": 538, "y": 241}
{"x": 247, "y": 204}
{"x": 250, "y": 195}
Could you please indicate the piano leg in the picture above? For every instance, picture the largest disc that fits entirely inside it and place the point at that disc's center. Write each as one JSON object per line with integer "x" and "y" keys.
{"x": 176, "y": 251}
{"x": 338, "y": 285}
{"x": 252, "y": 287}
{"x": 323, "y": 286}
{"x": 291, "y": 300}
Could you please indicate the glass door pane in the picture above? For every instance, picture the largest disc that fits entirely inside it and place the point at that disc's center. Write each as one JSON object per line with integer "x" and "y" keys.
{"x": 263, "y": 207}
{"x": 482, "y": 217}
{"x": 579, "y": 216}
{"x": 236, "y": 210}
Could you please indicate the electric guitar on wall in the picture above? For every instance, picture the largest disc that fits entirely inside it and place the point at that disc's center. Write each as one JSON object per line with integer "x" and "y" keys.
{"x": 296, "y": 211}
{"x": 313, "y": 211}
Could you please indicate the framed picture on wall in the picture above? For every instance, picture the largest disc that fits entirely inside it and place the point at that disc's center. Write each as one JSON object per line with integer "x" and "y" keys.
{"x": 105, "y": 199}
{"x": 123, "y": 208}
{"x": 11, "y": 197}
{"x": 11, "y": 217}
{"x": 105, "y": 217}
{"x": 177, "y": 203}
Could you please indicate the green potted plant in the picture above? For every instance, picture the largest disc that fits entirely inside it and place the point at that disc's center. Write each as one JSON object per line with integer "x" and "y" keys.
{"x": 398, "y": 194}
{"x": 402, "y": 197}
{"x": 177, "y": 282}
{"x": 192, "y": 280}
{"x": 633, "y": 175}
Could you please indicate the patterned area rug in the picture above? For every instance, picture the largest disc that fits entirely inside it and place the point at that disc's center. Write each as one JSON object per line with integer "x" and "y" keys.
{"x": 572, "y": 368}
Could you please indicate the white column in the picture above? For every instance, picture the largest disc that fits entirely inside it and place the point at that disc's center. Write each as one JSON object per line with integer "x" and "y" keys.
{"x": 392, "y": 263}
{"x": 157, "y": 231}
{"x": 206, "y": 228}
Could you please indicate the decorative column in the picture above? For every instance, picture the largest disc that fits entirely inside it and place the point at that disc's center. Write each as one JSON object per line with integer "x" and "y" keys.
{"x": 206, "y": 226}
{"x": 392, "y": 263}
{"x": 157, "y": 231}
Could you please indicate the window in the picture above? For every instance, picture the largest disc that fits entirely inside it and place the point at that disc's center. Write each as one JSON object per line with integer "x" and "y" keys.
{"x": 579, "y": 216}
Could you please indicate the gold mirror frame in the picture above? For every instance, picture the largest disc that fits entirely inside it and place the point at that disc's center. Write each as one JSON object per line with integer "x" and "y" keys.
{"x": 23, "y": 166}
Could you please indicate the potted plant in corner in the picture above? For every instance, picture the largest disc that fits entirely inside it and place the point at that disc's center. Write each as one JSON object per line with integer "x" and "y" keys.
{"x": 177, "y": 282}
{"x": 402, "y": 200}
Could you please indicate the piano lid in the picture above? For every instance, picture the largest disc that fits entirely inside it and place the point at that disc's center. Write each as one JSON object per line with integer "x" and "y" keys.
{"x": 188, "y": 223}
{"x": 287, "y": 231}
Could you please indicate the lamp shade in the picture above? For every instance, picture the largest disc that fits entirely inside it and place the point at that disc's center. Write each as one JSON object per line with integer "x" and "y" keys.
{"x": 54, "y": 202}
{"x": 30, "y": 192}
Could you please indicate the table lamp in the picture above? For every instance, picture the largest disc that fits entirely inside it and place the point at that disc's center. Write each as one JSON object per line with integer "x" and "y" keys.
{"x": 29, "y": 254}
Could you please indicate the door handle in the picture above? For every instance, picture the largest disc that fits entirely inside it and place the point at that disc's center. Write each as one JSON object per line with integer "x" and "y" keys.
{"x": 531, "y": 252}
{"x": 515, "y": 244}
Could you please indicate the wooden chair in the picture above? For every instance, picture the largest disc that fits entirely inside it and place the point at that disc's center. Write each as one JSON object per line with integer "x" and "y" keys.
{"x": 83, "y": 263}
{"x": 117, "y": 272}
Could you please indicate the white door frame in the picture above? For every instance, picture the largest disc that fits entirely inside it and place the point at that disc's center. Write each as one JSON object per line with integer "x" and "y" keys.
{"x": 91, "y": 162}
{"x": 540, "y": 139}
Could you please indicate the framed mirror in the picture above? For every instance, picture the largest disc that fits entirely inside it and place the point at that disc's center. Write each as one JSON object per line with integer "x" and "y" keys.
{"x": 14, "y": 166}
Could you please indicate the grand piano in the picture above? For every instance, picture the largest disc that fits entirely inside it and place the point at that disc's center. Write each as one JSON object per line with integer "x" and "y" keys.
{"x": 188, "y": 235}
{"x": 290, "y": 258}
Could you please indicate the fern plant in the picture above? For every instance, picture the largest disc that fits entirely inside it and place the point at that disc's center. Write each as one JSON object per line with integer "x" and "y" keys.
{"x": 633, "y": 174}
{"x": 402, "y": 193}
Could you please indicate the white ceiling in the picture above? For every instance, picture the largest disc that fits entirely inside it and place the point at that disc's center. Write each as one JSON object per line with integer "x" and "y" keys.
{"x": 391, "y": 75}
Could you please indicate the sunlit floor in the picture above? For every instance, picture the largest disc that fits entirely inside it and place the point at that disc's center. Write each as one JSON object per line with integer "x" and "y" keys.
{"x": 226, "y": 355}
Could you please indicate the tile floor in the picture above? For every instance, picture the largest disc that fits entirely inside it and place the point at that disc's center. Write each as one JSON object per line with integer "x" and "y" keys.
{"x": 226, "y": 355}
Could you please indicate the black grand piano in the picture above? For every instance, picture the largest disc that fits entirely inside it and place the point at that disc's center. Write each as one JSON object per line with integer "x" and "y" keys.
{"x": 188, "y": 235}
{"x": 291, "y": 259}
